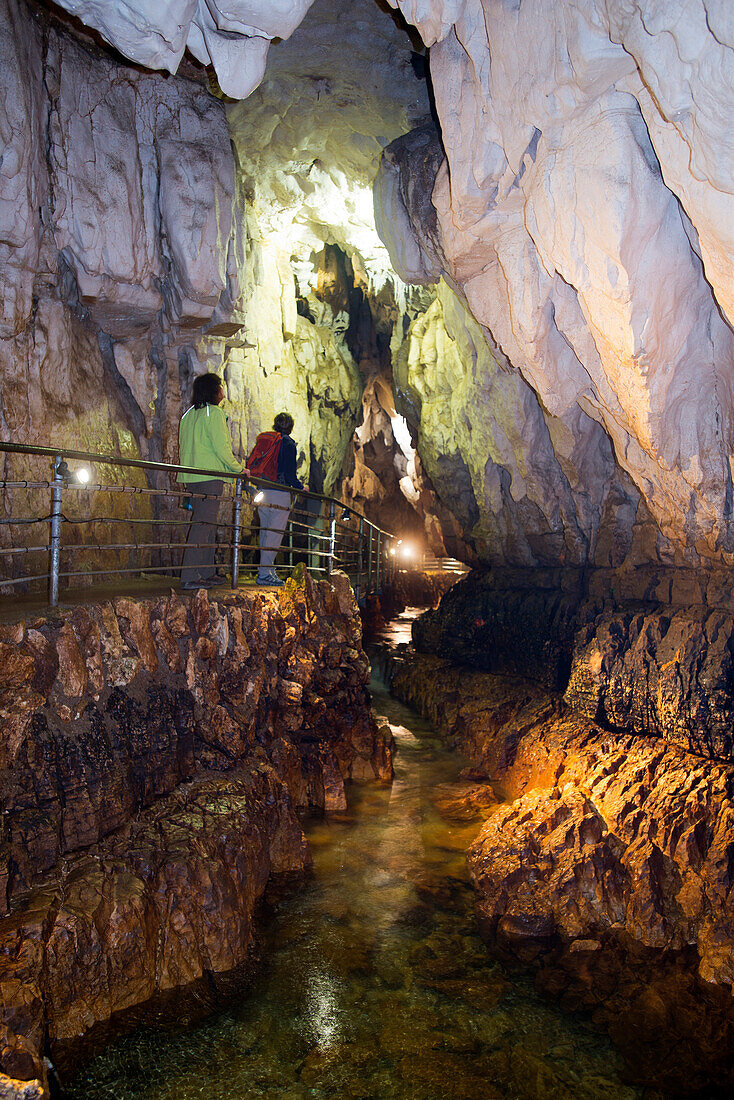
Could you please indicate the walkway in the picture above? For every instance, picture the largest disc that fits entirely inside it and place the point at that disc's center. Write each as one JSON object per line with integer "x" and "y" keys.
{"x": 15, "y": 608}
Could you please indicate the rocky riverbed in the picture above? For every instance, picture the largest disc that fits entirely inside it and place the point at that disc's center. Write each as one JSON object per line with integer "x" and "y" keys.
{"x": 154, "y": 755}
{"x": 605, "y": 869}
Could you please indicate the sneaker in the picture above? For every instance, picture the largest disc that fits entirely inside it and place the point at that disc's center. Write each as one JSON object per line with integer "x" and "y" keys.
{"x": 194, "y": 586}
{"x": 271, "y": 578}
{"x": 216, "y": 580}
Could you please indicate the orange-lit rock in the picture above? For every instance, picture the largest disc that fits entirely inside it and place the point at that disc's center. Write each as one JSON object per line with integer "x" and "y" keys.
{"x": 606, "y": 868}
{"x": 144, "y": 821}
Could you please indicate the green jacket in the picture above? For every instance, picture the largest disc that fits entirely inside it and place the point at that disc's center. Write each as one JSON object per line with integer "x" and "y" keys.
{"x": 204, "y": 442}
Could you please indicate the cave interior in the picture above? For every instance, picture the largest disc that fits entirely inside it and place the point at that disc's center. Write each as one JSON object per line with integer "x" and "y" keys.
{"x": 482, "y": 251}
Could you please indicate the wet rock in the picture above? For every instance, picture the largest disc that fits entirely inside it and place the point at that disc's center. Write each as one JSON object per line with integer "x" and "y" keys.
{"x": 634, "y": 663}
{"x": 667, "y": 672}
{"x": 72, "y": 674}
{"x": 518, "y": 623}
{"x": 606, "y": 870}
{"x": 464, "y": 801}
{"x": 162, "y": 904}
{"x": 136, "y": 618}
{"x": 143, "y": 815}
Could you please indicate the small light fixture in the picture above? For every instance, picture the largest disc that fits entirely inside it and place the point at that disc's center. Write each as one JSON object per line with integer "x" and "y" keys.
{"x": 346, "y": 514}
{"x": 259, "y": 495}
{"x": 62, "y": 472}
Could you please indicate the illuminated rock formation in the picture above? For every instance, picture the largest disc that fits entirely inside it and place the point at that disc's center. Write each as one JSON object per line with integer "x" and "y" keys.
{"x": 585, "y": 209}
{"x": 605, "y": 870}
{"x": 528, "y": 487}
{"x": 153, "y": 755}
{"x": 140, "y": 247}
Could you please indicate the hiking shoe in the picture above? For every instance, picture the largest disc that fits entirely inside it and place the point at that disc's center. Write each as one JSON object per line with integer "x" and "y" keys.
{"x": 270, "y": 578}
{"x": 194, "y": 586}
{"x": 216, "y": 580}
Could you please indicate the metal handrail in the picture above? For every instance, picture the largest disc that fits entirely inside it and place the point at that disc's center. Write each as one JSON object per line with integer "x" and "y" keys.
{"x": 321, "y": 547}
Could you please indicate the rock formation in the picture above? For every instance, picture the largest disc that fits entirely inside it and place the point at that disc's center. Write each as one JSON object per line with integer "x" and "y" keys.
{"x": 579, "y": 200}
{"x": 153, "y": 756}
{"x": 233, "y": 39}
{"x": 540, "y": 285}
{"x": 605, "y": 867}
{"x": 149, "y": 232}
{"x": 584, "y": 209}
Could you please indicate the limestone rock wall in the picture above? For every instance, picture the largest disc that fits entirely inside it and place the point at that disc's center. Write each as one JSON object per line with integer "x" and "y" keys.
{"x": 153, "y": 755}
{"x": 132, "y": 241}
{"x": 233, "y": 38}
{"x": 528, "y": 488}
{"x": 130, "y": 261}
{"x": 584, "y": 209}
{"x": 579, "y": 199}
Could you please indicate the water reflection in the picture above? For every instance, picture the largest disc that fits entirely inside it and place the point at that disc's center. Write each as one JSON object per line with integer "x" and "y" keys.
{"x": 375, "y": 983}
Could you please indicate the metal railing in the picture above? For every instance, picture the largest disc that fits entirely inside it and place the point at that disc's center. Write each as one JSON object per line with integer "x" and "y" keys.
{"x": 429, "y": 563}
{"x": 321, "y": 532}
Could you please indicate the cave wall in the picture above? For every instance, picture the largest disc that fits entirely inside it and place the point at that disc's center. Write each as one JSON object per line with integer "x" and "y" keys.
{"x": 584, "y": 210}
{"x": 578, "y": 200}
{"x": 130, "y": 261}
{"x": 529, "y": 488}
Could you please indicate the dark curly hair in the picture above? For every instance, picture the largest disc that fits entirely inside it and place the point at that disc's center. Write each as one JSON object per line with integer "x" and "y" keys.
{"x": 283, "y": 423}
{"x": 206, "y": 390}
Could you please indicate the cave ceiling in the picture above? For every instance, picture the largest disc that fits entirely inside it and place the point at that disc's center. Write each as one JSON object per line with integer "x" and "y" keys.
{"x": 311, "y": 135}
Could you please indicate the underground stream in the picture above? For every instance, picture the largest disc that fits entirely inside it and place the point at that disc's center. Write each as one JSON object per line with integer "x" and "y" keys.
{"x": 374, "y": 981}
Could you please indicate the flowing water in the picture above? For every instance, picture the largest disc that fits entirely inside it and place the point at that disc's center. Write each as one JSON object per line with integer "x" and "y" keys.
{"x": 374, "y": 981}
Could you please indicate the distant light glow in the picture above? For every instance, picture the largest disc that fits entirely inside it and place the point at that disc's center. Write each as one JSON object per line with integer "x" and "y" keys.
{"x": 406, "y": 551}
{"x": 83, "y": 475}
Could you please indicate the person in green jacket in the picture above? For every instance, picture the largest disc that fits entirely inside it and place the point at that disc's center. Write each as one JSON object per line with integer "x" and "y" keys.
{"x": 204, "y": 442}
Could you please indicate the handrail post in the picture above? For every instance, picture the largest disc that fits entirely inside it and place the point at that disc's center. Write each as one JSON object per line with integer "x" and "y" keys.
{"x": 55, "y": 543}
{"x": 360, "y": 556}
{"x": 379, "y": 552}
{"x": 236, "y": 539}
{"x": 332, "y": 540}
{"x": 369, "y": 561}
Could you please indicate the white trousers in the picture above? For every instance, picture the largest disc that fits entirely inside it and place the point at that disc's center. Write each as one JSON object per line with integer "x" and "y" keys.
{"x": 273, "y": 511}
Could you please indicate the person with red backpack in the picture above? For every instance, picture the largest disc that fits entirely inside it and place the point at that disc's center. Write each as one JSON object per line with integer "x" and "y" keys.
{"x": 273, "y": 458}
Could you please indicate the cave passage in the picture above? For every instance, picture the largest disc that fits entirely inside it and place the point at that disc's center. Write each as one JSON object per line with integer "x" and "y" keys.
{"x": 375, "y": 982}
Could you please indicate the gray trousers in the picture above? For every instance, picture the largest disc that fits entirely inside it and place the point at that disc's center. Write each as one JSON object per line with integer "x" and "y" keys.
{"x": 273, "y": 511}
{"x": 198, "y": 561}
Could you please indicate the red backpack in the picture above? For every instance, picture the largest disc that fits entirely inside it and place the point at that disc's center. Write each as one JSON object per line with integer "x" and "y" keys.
{"x": 263, "y": 460}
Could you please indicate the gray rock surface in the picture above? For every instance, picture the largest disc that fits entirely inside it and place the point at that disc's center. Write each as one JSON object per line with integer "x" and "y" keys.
{"x": 232, "y": 37}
